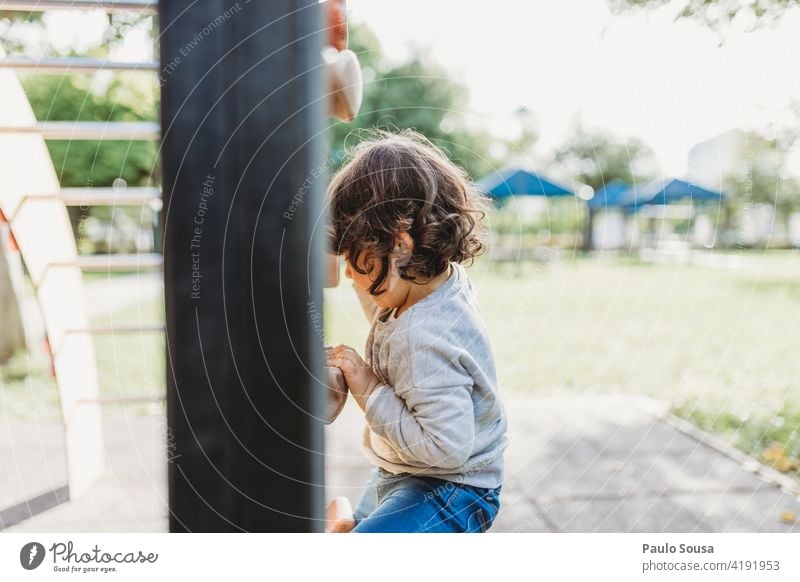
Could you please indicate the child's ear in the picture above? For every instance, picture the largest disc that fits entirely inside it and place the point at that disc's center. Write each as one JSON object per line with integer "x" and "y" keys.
{"x": 403, "y": 248}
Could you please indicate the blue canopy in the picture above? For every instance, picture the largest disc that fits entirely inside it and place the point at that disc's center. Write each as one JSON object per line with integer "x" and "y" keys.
{"x": 515, "y": 181}
{"x": 615, "y": 193}
{"x": 668, "y": 191}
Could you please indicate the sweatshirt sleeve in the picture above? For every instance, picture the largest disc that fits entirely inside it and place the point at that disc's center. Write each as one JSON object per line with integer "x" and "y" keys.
{"x": 428, "y": 415}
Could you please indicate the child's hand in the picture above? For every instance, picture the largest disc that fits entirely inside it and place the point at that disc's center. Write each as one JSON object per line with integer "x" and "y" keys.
{"x": 360, "y": 378}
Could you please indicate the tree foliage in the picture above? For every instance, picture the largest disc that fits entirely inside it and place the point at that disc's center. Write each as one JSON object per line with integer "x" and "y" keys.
{"x": 96, "y": 163}
{"x": 762, "y": 176}
{"x": 16, "y": 30}
{"x": 716, "y": 14}
{"x": 597, "y": 157}
{"x": 416, "y": 94}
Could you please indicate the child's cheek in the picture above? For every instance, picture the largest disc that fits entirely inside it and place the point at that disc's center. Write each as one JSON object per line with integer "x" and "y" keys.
{"x": 362, "y": 281}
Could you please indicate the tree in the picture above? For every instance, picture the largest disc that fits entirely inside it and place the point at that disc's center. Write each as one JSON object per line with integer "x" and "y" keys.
{"x": 761, "y": 178}
{"x": 95, "y": 163}
{"x": 16, "y": 28}
{"x": 716, "y": 14}
{"x": 127, "y": 97}
{"x": 417, "y": 94}
{"x": 597, "y": 158}
{"x": 88, "y": 163}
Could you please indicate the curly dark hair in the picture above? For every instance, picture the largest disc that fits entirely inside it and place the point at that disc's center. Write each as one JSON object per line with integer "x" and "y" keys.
{"x": 401, "y": 182}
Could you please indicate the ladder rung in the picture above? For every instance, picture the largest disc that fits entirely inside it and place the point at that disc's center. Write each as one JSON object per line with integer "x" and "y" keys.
{"x": 120, "y": 262}
{"x": 71, "y": 64}
{"x": 107, "y": 5}
{"x": 132, "y": 328}
{"x": 95, "y": 130}
{"x": 109, "y": 196}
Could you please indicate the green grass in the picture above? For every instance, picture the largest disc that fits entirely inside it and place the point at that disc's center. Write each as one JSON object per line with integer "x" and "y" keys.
{"x": 773, "y": 439}
{"x": 27, "y": 391}
{"x": 721, "y": 345}
{"x": 718, "y": 344}
{"x": 133, "y": 364}
{"x": 128, "y": 364}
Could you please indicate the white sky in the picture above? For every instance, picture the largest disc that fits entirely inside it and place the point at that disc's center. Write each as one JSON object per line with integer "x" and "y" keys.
{"x": 670, "y": 83}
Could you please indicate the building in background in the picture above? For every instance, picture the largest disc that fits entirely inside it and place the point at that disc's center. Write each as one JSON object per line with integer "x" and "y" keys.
{"x": 715, "y": 162}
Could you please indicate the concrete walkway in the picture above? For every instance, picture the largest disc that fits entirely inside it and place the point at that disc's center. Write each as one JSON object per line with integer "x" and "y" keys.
{"x": 575, "y": 464}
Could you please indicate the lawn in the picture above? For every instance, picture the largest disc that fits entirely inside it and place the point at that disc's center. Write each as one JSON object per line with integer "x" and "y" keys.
{"x": 128, "y": 364}
{"x": 720, "y": 344}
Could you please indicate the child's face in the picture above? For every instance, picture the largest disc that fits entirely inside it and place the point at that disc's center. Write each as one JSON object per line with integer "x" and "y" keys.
{"x": 394, "y": 291}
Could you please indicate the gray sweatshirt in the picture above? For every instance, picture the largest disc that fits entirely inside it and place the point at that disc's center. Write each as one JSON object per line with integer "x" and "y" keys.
{"x": 437, "y": 411}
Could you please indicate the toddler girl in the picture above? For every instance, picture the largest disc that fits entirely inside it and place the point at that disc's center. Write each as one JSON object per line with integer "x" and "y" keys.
{"x": 404, "y": 217}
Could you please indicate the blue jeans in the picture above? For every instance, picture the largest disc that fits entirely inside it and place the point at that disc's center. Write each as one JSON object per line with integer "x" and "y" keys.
{"x": 410, "y": 503}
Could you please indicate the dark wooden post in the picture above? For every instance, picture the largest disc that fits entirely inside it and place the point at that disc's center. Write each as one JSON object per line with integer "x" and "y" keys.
{"x": 243, "y": 161}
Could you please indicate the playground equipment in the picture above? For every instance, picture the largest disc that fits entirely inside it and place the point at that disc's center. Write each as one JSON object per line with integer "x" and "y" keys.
{"x": 242, "y": 144}
{"x": 35, "y": 206}
{"x": 243, "y": 115}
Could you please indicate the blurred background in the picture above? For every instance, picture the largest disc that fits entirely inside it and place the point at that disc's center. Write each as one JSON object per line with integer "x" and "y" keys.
{"x": 644, "y": 163}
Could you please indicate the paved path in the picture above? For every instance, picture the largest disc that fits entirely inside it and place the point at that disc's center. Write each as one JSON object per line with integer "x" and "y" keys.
{"x": 577, "y": 464}
{"x": 130, "y": 497}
